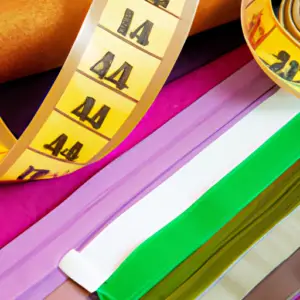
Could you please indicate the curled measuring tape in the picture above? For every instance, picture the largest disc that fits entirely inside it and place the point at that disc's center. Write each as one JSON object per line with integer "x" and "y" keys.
{"x": 274, "y": 41}
{"x": 122, "y": 56}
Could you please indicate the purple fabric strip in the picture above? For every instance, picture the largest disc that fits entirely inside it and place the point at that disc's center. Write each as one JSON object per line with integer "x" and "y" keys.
{"x": 297, "y": 296}
{"x": 28, "y": 266}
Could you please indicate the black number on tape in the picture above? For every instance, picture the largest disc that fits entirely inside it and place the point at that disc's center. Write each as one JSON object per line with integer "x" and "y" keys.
{"x": 162, "y": 3}
{"x": 56, "y": 147}
{"x": 103, "y": 65}
{"x": 119, "y": 77}
{"x": 277, "y": 67}
{"x": 32, "y": 174}
{"x": 126, "y": 22}
{"x": 83, "y": 111}
{"x": 283, "y": 58}
{"x": 72, "y": 154}
{"x": 143, "y": 31}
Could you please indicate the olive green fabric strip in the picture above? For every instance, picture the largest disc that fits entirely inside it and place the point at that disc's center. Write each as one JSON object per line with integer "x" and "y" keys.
{"x": 154, "y": 259}
{"x": 222, "y": 259}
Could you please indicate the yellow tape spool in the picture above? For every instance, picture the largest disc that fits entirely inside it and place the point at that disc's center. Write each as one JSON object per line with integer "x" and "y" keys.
{"x": 273, "y": 41}
{"x": 117, "y": 66}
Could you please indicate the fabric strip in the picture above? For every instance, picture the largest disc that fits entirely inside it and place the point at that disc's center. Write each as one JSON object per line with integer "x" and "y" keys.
{"x": 250, "y": 224}
{"x": 159, "y": 255}
{"x": 180, "y": 191}
{"x": 206, "y": 264}
{"x": 274, "y": 248}
{"x": 155, "y": 258}
{"x": 174, "y": 98}
{"x": 86, "y": 213}
{"x": 282, "y": 283}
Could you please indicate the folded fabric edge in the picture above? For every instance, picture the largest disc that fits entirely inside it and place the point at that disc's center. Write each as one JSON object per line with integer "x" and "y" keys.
{"x": 147, "y": 256}
{"x": 273, "y": 249}
{"x": 23, "y": 261}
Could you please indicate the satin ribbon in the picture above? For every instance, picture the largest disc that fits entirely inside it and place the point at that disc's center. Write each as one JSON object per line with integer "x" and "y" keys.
{"x": 259, "y": 261}
{"x": 167, "y": 213}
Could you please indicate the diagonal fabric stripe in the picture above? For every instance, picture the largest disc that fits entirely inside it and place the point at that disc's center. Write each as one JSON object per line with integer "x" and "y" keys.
{"x": 156, "y": 257}
{"x": 74, "y": 223}
{"x": 197, "y": 272}
{"x": 176, "y": 199}
{"x": 274, "y": 248}
{"x": 173, "y": 99}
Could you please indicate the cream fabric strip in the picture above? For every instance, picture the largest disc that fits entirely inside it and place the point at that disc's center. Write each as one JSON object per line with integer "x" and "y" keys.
{"x": 258, "y": 262}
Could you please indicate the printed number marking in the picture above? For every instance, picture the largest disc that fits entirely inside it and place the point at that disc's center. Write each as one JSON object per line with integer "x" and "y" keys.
{"x": 162, "y": 3}
{"x": 119, "y": 77}
{"x": 32, "y": 174}
{"x": 283, "y": 58}
{"x": 56, "y": 147}
{"x": 143, "y": 31}
{"x": 84, "y": 109}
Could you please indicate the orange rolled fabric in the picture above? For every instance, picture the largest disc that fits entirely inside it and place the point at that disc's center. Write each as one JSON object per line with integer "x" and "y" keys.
{"x": 36, "y": 35}
{"x": 212, "y": 13}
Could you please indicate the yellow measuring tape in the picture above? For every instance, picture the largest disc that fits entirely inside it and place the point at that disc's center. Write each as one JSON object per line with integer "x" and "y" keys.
{"x": 274, "y": 41}
{"x": 117, "y": 66}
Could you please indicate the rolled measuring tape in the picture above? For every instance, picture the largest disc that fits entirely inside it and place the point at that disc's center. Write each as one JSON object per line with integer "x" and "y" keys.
{"x": 275, "y": 40}
{"x": 119, "y": 62}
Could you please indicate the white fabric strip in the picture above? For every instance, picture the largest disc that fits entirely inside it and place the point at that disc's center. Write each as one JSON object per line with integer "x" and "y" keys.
{"x": 258, "y": 262}
{"x": 96, "y": 263}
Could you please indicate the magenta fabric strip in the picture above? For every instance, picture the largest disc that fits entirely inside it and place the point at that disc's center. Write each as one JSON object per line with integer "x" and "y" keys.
{"x": 21, "y": 205}
{"x": 297, "y": 297}
{"x": 28, "y": 267}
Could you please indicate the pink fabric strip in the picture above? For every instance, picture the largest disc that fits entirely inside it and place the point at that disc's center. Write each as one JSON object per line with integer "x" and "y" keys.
{"x": 21, "y": 205}
{"x": 33, "y": 256}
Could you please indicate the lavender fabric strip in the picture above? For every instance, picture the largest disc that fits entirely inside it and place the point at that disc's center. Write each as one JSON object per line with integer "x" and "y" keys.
{"x": 296, "y": 296}
{"x": 28, "y": 265}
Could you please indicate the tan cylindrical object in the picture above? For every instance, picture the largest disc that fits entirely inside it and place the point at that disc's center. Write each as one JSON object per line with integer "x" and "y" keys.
{"x": 36, "y": 35}
{"x": 212, "y": 13}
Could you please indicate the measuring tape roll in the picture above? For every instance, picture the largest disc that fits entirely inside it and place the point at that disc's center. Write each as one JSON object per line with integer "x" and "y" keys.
{"x": 117, "y": 66}
{"x": 273, "y": 41}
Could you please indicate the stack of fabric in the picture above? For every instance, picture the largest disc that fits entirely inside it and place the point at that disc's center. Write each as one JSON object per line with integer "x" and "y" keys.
{"x": 199, "y": 201}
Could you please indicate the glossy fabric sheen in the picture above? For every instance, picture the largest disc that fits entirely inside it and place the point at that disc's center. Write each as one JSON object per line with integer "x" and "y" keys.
{"x": 181, "y": 190}
{"x": 191, "y": 277}
{"x": 161, "y": 253}
{"x": 21, "y": 204}
{"x": 255, "y": 222}
{"x": 200, "y": 268}
{"x": 260, "y": 260}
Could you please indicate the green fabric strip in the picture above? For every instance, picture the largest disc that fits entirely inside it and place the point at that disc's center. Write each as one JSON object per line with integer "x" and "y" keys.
{"x": 221, "y": 259}
{"x": 154, "y": 259}
{"x": 200, "y": 269}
